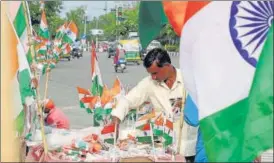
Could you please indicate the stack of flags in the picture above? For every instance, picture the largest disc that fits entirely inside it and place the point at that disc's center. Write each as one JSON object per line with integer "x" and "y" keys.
{"x": 100, "y": 106}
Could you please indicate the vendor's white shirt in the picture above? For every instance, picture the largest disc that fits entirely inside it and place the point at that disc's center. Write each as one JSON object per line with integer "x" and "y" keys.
{"x": 162, "y": 98}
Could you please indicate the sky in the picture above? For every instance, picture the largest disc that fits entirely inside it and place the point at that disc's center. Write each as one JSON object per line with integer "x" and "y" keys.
{"x": 94, "y": 8}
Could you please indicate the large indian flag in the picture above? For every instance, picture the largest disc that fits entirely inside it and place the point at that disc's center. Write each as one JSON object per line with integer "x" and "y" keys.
{"x": 97, "y": 83}
{"x": 21, "y": 76}
{"x": 18, "y": 17}
{"x": 226, "y": 52}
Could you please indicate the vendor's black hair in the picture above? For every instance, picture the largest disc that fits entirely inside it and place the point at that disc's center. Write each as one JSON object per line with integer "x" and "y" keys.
{"x": 159, "y": 55}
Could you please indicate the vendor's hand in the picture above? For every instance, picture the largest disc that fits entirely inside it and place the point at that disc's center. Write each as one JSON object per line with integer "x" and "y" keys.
{"x": 258, "y": 159}
{"x": 116, "y": 121}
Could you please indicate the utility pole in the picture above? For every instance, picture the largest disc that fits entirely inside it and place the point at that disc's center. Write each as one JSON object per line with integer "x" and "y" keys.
{"x": 97, "y": 21}
{"x": 85, "y": 17}
{"x": 85, "y": 28}
{"x": 106, "y": 7}
{"x": 116, "y": 18}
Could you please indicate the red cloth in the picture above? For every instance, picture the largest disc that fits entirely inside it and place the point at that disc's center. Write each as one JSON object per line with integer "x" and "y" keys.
{"x": 117, "y": 55}
{"x": 57, "y": 118}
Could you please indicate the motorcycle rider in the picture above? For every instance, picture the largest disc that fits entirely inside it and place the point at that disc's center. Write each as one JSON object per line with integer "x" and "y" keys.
{"x": 120, "y": 53}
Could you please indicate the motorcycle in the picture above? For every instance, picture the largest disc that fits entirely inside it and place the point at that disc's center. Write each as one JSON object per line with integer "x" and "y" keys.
{"x": 121, "y": 65}
{"x": 76, "y": 52}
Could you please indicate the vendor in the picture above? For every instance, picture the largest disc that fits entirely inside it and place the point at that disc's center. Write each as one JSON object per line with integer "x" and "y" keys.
{"x": 55, "y": 118}
{"x": 164, "y": 89}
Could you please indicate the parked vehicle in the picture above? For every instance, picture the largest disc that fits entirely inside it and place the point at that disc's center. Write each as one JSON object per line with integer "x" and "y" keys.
{"x": 153, "y": 44}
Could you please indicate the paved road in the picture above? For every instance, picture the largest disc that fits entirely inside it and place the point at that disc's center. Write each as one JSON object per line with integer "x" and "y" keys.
{"x": 68, "y": 75}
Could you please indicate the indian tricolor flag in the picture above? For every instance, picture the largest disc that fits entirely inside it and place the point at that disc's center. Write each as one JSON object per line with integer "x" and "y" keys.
{"x": 168, "y": 132}
{"x": 85, "y": 99}
{"x": 41, "y": 48}
{"x": 226, "y": 52}
{"x": 71, "y": 33}
{"x": 56, "y": 52}
{"x": 97, "y": 83}
{"x": 143, "y": 126}
{"x": 108, "y": 133}
{"x": 106, "y": 100}
{"x": 117, "y": 89}
{"x": 60, "y": 32}
{"x": 158, "y": 127}
{"x": 57, "y": 43}
{"x": 43, "y": 30}
{"x": 40, "y": 58}
{"x": 144, "y": 133}
{"x": 21, "y": 75}
{"x": 106, "y": 96}
{"x": 66, "y": 48}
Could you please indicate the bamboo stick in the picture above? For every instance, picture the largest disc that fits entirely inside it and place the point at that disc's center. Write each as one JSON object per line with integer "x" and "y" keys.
{"x": 181, "y": 121}
{"x": 47, "y": 73}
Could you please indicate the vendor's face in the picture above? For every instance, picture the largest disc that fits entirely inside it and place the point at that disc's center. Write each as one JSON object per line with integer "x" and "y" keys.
{"x": 158, "y": 73}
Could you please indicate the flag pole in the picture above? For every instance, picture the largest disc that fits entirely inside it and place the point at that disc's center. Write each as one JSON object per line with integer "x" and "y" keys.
{"x": 114, "y": 142}
{"x": 152, "y": 139}
{"x": 181, "y": 122}
{"x": 29, "y": 27}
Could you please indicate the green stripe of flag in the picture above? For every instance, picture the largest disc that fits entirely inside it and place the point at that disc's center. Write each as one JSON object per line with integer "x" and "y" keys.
{"x": 43, "y": 34}
{"x": 96, "y": 88}
{"x": 144, "y": 139}
{"x": 29, "y": 57}
{"x": 67, "y": 39}
{"x": 20, "y": 21}
{"x": 20, "y": 122}
{"x": 109, "y": 141}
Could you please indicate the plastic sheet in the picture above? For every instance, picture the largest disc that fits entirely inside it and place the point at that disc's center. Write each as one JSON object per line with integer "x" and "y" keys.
{"x": 61, "y": 137}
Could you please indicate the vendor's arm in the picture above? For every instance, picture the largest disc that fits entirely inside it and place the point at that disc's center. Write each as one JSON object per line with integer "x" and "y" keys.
{"x": 50, "y": 121}
{"x": 136, "y": 97}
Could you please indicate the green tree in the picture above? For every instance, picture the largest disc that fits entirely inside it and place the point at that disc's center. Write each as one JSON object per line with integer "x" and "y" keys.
{"x": 107, "y": 22}
{"x": 52, "y": 9}
{"x": 167, "y": 35}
